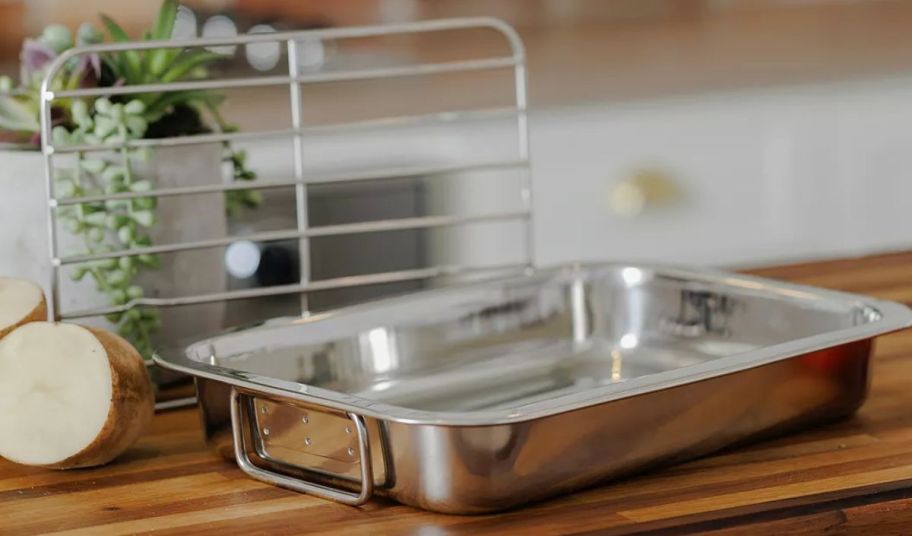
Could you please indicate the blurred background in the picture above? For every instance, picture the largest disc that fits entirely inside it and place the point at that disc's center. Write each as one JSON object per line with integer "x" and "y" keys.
{"x": 579, "y": 49}
{"x": 715, "y": 132}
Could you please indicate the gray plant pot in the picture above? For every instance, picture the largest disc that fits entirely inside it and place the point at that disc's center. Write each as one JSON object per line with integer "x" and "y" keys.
{"x": 24, "y": 249}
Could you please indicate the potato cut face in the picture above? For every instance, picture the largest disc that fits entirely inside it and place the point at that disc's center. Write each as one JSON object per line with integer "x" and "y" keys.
{"x": 18, "y": 298}
{"x": 55, "y": 392}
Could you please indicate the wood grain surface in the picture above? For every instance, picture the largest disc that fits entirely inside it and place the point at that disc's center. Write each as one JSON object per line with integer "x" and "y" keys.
{"x": 851, "y": 477}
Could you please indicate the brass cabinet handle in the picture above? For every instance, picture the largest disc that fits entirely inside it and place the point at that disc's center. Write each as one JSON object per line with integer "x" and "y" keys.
{"x": 631, "y": 197}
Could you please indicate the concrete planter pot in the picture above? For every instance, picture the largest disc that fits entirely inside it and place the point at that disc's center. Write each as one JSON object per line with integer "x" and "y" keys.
{"x": 24, "y": 249}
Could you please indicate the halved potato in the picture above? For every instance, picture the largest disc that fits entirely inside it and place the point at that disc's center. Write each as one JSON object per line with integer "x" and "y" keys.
{"x": 70, "y": 396}
{"x": 21, "y": 301}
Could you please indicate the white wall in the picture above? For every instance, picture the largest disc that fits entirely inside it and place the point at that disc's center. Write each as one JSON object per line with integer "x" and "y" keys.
{"x": 765, "y": 175}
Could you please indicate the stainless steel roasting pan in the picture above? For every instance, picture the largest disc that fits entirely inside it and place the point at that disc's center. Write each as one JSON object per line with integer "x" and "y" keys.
{"x": 479, "y": 397}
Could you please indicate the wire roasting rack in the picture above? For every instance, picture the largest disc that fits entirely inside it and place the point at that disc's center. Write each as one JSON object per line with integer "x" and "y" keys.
{"x": 294, "y": 79}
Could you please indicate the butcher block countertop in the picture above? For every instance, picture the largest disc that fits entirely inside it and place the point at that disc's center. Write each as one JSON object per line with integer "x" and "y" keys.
{"x": 851, "y": 477}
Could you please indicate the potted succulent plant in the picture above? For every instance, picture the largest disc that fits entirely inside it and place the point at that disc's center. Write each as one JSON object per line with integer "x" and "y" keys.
{"x": 118, "y": 225}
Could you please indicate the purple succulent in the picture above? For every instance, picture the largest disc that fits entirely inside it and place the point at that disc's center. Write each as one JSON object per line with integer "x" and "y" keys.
{"x": 89, "y": 66}
{"x": 35, "y": 56}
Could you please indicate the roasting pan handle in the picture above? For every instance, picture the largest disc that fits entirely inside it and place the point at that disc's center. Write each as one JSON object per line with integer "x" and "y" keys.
{"x": 238, "y": 424}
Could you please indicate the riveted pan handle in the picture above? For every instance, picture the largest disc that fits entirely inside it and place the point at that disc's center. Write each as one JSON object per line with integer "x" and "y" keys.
{"x": 240, "y": 407}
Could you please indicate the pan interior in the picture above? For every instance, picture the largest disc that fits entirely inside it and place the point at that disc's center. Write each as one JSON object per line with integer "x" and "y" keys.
{"x": 506, "y": 345}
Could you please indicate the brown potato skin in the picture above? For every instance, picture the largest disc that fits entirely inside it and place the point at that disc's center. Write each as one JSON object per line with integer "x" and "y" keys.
{"x": 38, "y": 314}
{"x": 132, "y": 405}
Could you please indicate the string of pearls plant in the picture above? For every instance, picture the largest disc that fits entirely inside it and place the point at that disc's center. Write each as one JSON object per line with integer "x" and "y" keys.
{"x": 115, "y": 225}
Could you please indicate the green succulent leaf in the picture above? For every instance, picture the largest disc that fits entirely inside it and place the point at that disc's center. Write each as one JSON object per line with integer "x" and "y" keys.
{"x": 134, "y": 107}
{"x": 126, "y": 263}
{"x": 117, "y": 296}
{"x": 116, "y": 186}
{"x": 126, "y": 233}
{"x": 58, "y": 37}
{"x": 144, "y": 203}
{"x": 164, "y": 25}
{"x": 75, "y": 226}
{"x": 141, "y": 186}
{"x": 80, "y": 112}
{"x": 79, "y": 273}
{"x": 116, "y": 112}
{"x": 93, "y": 165}
{"x": 187, "y": 62}
{"x": 135, "y": 292}
{"x": 136, "y": 125}
{"x": 103, "y": 106}
{"x": 159, "y": 59}
{"x": 17, "y": 116}
{"x": 117, "y": 33}
{"x": 95, "y": 234}
{"x": 146, "y": 218}
{"x": 107, "y": 264}
{"x": 96, "y": 219}
{"x": 164, "y": 22}
{"x": 142, "y": 241}
{"x": 149, "y": 261}
{"x": 65, "y": 189}
{"x": 117, "y": 138}
{"x": 60, "y": 136}
{"x": 153, "y": 320}
{"x": 88, "y": 35}
{"x": 104, "y": 127}
{"x": 113, "y": 174}
{"x": 117, "y": 277}
{"x": 160, "y": 106}
{"x": 116, "y": 221}
{"x": 128, "y": 63}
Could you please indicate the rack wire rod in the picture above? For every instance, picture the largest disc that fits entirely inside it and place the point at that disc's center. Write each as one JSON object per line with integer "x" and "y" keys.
{"x": 451, "y": 116}
{"x": 515, "y": 58}
{"x": 344, "y": 32}
{"x": 350, "y": 32}
{"x": 389, "y": 173}
{"x": 324, "y": 284}
{"x": 308, "y": 78}
{"x": 423, "y": 222}
{"x": 177, "y": 403}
